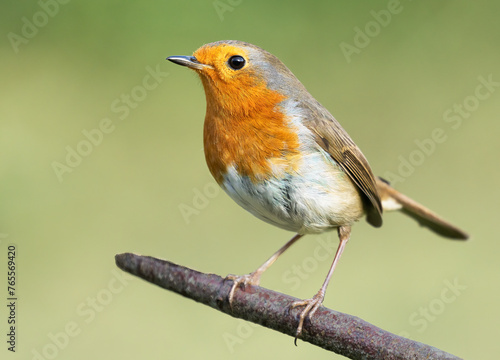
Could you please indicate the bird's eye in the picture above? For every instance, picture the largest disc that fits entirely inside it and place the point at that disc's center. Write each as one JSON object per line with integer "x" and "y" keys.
{"x": 236, "y": 62}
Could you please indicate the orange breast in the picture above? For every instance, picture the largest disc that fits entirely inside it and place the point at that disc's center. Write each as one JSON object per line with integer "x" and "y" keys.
{"x": 246, "y": 129}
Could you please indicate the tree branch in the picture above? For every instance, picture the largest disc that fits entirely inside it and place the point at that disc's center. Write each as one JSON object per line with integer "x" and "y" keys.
{"x": 341, "y": 333}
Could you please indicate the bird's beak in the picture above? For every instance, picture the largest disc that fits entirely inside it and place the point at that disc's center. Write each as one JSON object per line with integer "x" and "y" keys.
{"x": 189, "y": 61}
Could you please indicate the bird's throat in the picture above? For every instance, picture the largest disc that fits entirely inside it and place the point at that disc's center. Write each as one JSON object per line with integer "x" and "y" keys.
{"x": 253, "y": 140}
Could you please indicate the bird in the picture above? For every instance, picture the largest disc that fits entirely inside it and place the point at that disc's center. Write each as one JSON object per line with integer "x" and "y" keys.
{"x": 280, "y": 155}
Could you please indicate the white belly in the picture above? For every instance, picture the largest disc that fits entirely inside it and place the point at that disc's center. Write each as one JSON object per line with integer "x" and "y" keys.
{"x": 315, "y": 198}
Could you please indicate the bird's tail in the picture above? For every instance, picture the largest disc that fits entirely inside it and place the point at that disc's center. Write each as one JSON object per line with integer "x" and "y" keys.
{"x": 394, "y": 200}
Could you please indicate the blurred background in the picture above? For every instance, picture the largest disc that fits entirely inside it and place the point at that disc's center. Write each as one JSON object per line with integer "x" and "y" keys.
{"x": 101, "y": 153}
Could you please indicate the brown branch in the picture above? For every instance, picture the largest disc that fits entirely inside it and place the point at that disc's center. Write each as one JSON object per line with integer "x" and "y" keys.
{"x": 341, "y": 333}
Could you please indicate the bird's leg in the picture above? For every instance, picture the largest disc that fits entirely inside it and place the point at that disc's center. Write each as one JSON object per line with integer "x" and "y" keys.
{"x": 311, "y": 305}
{"x": 254, "y": 277}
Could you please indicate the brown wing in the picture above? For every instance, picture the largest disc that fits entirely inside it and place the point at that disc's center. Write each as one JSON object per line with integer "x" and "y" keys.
{"x": 335, "y": 140}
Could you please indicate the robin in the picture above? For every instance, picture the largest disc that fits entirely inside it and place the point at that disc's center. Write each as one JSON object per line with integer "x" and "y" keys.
{"x": 283, "y": 157}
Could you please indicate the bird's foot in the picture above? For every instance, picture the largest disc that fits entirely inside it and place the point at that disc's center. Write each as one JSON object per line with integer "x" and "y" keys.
{"x": 242, "y": 281}
{"x": 311, "y": 305}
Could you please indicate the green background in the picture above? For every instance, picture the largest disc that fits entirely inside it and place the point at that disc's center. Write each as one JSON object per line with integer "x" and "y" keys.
{"x": 127, "y": 194}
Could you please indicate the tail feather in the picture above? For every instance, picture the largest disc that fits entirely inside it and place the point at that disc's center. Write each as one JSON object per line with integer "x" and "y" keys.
{"x": 393, "y": 199}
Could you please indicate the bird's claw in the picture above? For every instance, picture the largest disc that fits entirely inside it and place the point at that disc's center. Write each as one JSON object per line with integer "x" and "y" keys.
{"x": 241, "y": 281}
{"x": 311, "y": 305}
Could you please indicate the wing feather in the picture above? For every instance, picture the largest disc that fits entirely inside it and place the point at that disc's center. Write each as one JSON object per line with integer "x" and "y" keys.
{"x": 335, "y": 140}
